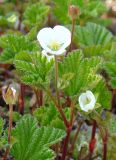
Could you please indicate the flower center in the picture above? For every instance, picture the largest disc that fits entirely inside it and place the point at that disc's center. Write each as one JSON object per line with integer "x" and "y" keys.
{"x": 54, "y": 45}
{"x": 87, "y": 100}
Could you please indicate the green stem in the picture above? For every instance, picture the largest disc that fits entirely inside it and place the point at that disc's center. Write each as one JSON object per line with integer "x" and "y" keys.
{"x": 72, "y": 33}
{"x": 10, "y": 123}
{"x": 56, "y": 80}
{"x": 9, "y": 132}
{"x": 58, "y": 107}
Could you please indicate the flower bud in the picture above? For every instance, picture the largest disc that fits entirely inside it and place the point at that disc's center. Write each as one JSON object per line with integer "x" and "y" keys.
{"x": 73, "y": 11}
{"x": 87, "y": 101}
{"x": 10, "y": 94}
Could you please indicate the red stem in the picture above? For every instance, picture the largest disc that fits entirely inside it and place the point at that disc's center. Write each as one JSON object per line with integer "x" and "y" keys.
{"x": 21, "y": 99}
{"x": 76, "y": 136}
{"x": 93, "y": 140}
{"x": 66, "y": 141}
{"x": 39, "y": 97}
{"x": 105, "y": 147}
{"x": 72, "y": 113}
{"x": 72, "y": 35}
{"x": 66, "y": 122}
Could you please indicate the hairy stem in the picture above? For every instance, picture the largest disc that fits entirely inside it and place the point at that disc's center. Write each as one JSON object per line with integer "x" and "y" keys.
{"x": 21, "y": 99}
{"x": 72, "y": 33}
{"x": 80, "y": 154}
{"x": 105, "y": 146}
{"x": 76, "y": 136}
{"x": 104, "y": 150}
{"x": 66, "y": 141}
{"x": 93, "y": 140}
{"x": 9, "y": 132}
{"x": 58, "y": 107}
{"x": 72, "y": 113}
{"x": 104, "y": 136}
{"x": 56, "y": 80}
{"x": 39, "y": 97}
{"x": 10, "y": 123}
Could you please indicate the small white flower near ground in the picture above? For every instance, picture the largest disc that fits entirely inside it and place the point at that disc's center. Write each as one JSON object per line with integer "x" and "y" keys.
{"x": 87, "y": 101}
{"x": 54, "y": 40}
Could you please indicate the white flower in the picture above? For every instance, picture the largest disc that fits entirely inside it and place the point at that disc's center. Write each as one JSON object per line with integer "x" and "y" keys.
{"x": 54, "y": 41}
{"x": 49, "y": 57}
{"x": 87, "y": 101}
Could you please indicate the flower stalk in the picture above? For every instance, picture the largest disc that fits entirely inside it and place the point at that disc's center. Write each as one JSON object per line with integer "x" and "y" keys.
{"x": 39, "y": 97}
{"x": 56, "y": 80}
{"x": 58, "y": 107}
{"x": 72, "y": 33}
{"x": 93, "y": 140}
{"x": 104, "y": 136}
{"x": 21, "y": 99}
{"x": 76, "y": 136}
{"x": 73, "y": 13}
{"x": 66, "y": 141}
{"x": 9, "y": 132}
{"x": 105, "y": 139}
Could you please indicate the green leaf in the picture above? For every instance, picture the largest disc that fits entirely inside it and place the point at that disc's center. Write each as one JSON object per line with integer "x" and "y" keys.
{"x": 35, "y": 14}
{"x": 107, "y": 51}
{"x": 1, "y": 125}
{"x": 13, "y": 44}
{"x": 103, "y": 95}
{"x": 49, "y": 116}
{"x": 33, "y": 142}
{"x": 83, "y": 69}
{"x": 34, "y": 68}
{"x": 111, "y": 70}
{"x": 89, "y": 10}
{"x": 3, "y": 137}
{"x": 3, "y": 21}
{"x": 92, "y": 34}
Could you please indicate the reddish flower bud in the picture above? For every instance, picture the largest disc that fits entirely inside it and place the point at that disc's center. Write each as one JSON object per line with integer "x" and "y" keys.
{"x": 10, "y": 94}
{"x": 73, "y": 11}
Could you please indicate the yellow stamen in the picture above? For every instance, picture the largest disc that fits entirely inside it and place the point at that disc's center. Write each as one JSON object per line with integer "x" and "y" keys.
{"x": 87, "y": 100}
{"x": 54, "y": 45}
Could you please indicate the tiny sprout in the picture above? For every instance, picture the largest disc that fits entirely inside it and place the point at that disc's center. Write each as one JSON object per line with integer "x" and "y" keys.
{"x": 73, "y": 11}
{"x": 10, "y": 93}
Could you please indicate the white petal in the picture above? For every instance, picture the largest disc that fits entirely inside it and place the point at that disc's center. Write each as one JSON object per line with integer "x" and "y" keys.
{"x": 82, "y": 101}
{"x": 49, "y": 57}
{"x": 59, "y": 34}
{"x": 59, "y": 52}
{"x": 63, "y": 35}
{"x": 44, "y": 36}
{"x": 91, "y": 95}
{"x": 82, "y": 98}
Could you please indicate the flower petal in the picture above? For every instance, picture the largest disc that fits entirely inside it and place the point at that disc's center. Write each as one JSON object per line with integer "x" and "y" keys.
{"x": 63, "y": 35}
{"x": 44, "y": 36}
{"x": 49, "y": 57}
{"x": 58, "y": 34}
{"x": 87, "y": 101}
{"x": 59, "y": 52}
